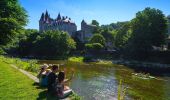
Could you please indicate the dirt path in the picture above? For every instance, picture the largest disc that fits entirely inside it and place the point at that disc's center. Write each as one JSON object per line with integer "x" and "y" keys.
{"x": 27, "y": 74}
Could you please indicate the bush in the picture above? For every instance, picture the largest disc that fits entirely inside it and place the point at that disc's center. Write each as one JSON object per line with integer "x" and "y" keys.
{"x": 53, "y": 44}
{"x": 94, "y": 46}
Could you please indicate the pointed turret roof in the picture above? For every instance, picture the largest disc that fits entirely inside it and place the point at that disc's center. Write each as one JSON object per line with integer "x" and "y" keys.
{"x": 46, "y": 15}
{"x": 83, "y": 21}
{"x": 59, "y": 16}
{"x": 42, "y": 17}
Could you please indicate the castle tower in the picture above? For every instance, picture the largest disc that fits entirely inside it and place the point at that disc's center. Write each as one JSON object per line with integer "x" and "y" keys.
{"x": 58, "y": 17}
{"x": 60, "y": 23}
{"x": 41, "y": 21}
{"x": 83, "y": 24}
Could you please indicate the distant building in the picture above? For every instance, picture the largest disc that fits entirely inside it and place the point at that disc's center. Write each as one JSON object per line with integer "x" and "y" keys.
{"x": 86, "y": 31}
{"x": 62, "y": 23}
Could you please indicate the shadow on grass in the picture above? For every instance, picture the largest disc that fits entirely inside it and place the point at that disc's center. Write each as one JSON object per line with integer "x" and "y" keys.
{"x": 44, "y": 95}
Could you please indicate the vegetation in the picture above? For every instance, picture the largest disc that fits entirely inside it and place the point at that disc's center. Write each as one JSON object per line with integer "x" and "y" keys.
{"x": 94, "y": 47}
{"x": 28, "y": 65}
{"x": 12, "y": 19}
{"x": 97, "y": 38}
{"x": 15, "y": 85}
{"x": 76, "y": 59}
{"x": 121, "y": 91}
{"x": 53, "y": 44}
{"x": 95, "y": 22}
{"x": 148, "y": 29}
{"x": 25, "y": 87}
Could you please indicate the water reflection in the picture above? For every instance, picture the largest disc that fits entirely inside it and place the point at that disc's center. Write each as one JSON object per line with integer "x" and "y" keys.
{"x": 99, "y": 82}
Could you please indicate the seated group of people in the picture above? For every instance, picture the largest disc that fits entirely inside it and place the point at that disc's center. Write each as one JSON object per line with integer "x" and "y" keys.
{"x": 55, "y": 82}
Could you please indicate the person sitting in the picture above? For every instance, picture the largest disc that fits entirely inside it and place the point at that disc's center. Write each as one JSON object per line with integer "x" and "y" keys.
{"x": 44, "y": 78}
{"x": 62, "y": 90}
{"x": 42, "y": 70}
{"x": 52, "y": 78}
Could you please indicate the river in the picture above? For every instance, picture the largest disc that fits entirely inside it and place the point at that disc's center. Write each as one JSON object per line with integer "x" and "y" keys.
{"x": 95, "y": 81}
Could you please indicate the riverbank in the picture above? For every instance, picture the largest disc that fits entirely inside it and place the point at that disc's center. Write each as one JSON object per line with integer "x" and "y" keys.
{"x": 29, "y": 66}
{"x": 15, "y": 85}
{"x": 147, "y": 67}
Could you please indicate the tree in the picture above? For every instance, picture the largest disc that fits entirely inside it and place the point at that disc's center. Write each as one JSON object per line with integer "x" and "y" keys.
{"x": 26, "y": 42}
{"x": 53, "y": 44}
{"x": 95, "y": 22}
{"x": 12, "y": 19}
{"x": 98, "y": 38}
{"x": 122, "y": 36}
{"x": 94, "y": 46}
{"x": 108, "y": 35}
{"x": 149, "y": 29}
{"x": 8, "y": 29}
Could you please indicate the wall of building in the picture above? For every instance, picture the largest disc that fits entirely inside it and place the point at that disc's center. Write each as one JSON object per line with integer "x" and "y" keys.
{"x": 60, "y": 23}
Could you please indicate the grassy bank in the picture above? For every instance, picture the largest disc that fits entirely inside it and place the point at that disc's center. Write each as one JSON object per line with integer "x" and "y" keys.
{"x": 15, "y": 85}
{"x": 76, "y": 59}
{"x": 18, "y": 86}
{"x": 28, "y": 65}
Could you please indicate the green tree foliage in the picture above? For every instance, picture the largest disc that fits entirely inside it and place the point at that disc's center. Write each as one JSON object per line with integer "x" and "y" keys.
{"x": 122, "y": 36}
{"x": 8, "y": 29}
{"x": 149, "y": 29}
{"x": 12, "y": 19}
{"x": 12, "y": 9}
{"x": 97, "y": 29}
{"x": 98, "y": 38}
{"x": 95, "y": 22}
{"x": 54, "y": 44}
{"x": 108, "y": 35}
{"x": 114, "y": 26}
{"x": 94, "y": 46}
{"x": 149, "y": 26}
{"x": 27, "y": 42}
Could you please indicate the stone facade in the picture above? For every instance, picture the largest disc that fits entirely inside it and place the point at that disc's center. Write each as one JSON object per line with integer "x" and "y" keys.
{"x": 66, "y": 24}
{"x": 60, "y": 23}
{"x": 86, "y": 32}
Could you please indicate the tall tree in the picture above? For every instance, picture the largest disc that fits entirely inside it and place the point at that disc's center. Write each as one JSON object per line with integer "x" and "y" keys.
{"x": 95, "y": 22}
{"x": 12, "y": 19}
{"x": 149, "y": 29}
{"x": 53, "y": 44}
{"x": 122, "y": 36}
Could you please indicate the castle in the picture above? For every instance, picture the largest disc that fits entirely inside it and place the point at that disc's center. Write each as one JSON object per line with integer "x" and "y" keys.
{"x": 60, "y": 23}
{"x": 64, "y": 23}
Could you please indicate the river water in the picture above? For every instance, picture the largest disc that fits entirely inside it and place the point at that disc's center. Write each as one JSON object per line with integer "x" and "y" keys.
{"x": 95, "y": 81}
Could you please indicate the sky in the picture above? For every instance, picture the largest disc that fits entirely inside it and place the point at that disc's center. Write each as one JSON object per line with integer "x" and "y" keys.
{"x": 104, "y": 11}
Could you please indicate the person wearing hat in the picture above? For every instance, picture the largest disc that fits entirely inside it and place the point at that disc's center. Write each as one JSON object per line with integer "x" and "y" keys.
{"x": 42, "y": 70}
{"x": 43, "y": 75}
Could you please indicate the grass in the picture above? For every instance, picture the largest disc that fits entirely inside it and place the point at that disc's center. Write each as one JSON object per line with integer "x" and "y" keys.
{"x": 15, "y": 85}
{"x": 102, "y": 62}
{"x": 121, "y": 91}
{"x": 76, "y": 59}
{"x": 28, "y": 65}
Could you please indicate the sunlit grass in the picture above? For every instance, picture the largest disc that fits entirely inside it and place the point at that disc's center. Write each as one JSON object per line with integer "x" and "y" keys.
{"x": 16, "y": 86}
{"x": 76, "y": 59}
{"x": 28, "y": 65}
{"x": 121, "y": 91}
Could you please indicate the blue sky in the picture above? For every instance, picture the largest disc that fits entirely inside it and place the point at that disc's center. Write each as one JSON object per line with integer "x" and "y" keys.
{"x": 104, "y": 11}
